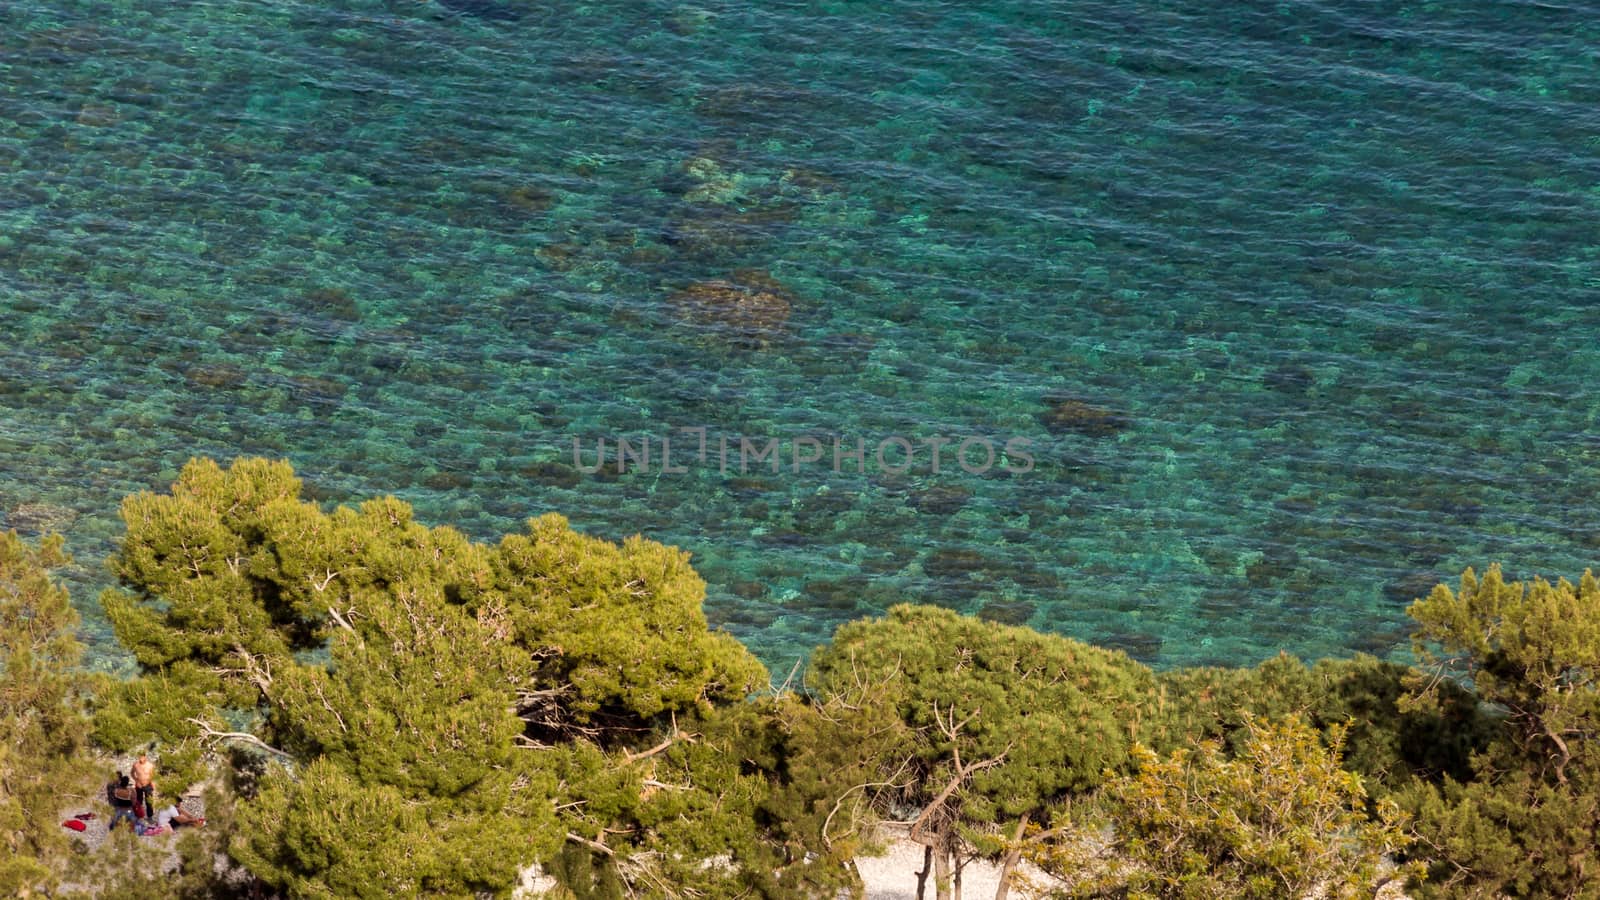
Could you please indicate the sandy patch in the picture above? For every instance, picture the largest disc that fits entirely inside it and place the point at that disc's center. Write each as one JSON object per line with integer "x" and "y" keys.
{"x": 893, "y": 876}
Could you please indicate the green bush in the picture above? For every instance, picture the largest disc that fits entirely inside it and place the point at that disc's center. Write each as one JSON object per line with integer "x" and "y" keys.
{"x": 1278, "y": 819}
{"x": 999, "y": 721}
{"x": 43, "y": 728}
{"x": 1526, "y": 822}
{"x": 1386, "y": 740}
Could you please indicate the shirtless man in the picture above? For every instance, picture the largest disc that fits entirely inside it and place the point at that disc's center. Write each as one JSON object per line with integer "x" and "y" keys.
{"x": 144, "y": 774}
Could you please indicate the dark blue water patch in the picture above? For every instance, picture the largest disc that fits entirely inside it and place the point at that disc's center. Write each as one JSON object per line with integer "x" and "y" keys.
{"x": 1292, "y": 304}
{"x": 487, "y": 10}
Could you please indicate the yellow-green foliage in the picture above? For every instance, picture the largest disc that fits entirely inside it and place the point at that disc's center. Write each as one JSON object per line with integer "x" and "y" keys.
{"x": 1531, "y": 649}
{"x": 42, "y": 723}
{"x": 1386, "y": 741}
{"x": 435, "y": 713}
{"x": 620, "y": 627}
{"x": 1527, "y": 821}
{"x": 1000, "y": 721}
{"x": 1280, "y": 820}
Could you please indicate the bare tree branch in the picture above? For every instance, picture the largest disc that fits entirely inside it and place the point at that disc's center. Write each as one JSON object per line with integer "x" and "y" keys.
{"x": 211, "y": 734}
{"x": 592, "y": 845}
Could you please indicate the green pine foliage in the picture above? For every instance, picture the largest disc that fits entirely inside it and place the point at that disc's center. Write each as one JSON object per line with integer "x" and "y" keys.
{"x": 1527, "y": 821}
{"x": 380, "y": 707}
{"x": 1279, "y": 819}
{"x": 1002, "y": 721}
{"x": 834, "y": 763}
{"x": 414, "y": 783}
{"x": 429, "y": 714}
{"x": 1388, "y": 742}
{"x": 617, "y": 631}
{"x": 758, "y": 799}
{"x": 43, "y": 728}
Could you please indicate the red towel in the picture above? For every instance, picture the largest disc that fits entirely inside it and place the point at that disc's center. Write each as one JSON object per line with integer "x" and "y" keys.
{"x": 74, "y": 824}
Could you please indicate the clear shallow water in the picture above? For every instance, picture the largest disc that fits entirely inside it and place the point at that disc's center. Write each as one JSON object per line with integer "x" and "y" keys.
{"x": 1312, "y": 290}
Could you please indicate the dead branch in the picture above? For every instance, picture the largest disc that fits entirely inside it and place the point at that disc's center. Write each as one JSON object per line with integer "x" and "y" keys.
{"x": 211, "y": 734}
{"x": 329, "y": 707}
{"x": 341, "y": 620}
{"x": 672, "y": 738}
{"x": 592, "y": 845}
{"x": 259, "y": 673}
{"x": 891, "y": 782}
{"x": 952, "y": 729}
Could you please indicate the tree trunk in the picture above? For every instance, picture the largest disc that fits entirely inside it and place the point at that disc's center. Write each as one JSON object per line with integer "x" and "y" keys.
{"x": 1012, "y": 856}
{"x": 927, "y": 866}
{"x": 941, "y": 866}
{"x": 955, "y": 886}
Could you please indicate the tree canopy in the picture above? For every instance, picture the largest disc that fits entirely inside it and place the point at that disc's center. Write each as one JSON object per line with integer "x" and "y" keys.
{"x": 43, "y": 728}
{"x": 1527, "y": 822}
{"x": 375, "y": 706}
{"x": 407, "y": 687}
{"x": 1002, "y": 721}
{"x": 1278, "y": 818}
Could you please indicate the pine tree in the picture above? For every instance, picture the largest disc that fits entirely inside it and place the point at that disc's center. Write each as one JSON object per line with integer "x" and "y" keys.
{"x": 336, "y": 647}
{"x": 1279, "y": 819}
{"x": 1387, "y": 741}
{"x": 1527, "y": 821}
{"x": 432, "y": 713}
{"x": 43, "y": 727}
{"x": 617, "y": 631}
{"x": 1002, "y": 721}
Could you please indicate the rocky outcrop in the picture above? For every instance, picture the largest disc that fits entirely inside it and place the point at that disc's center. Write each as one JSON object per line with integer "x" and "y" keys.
{"x": 1071, "y": 415}
{"x": 749, "y": 307}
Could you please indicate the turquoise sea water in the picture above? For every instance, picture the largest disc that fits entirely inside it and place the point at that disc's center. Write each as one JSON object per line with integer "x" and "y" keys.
{"x": 1296, "y": 303}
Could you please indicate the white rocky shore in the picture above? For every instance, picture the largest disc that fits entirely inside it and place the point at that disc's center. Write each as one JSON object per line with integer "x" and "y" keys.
{"x": 893, "y": 876}
{"x": 889, "y": 876}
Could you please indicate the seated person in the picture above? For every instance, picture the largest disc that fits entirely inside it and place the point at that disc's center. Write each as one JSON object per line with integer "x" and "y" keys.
{"x": 172, "y": 817}
{"x": 119, "y": 794}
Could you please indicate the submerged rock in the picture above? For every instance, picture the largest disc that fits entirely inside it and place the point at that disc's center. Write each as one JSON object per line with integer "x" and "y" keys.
{"x": 939, "y": 499}
{"x": 688, "y": 20}
{"x": 1411, "y": 586}
{"x": 1141, "y": 645}
{"x": 331, "y": 302}
{"x": 1007, "y": 612}
{"x": 40, "y": 518}
{"x": 719, "y": 230}
{"x": 488, "y": 10}
{"x": 954, "y": 563}
{"x": 1291, "y": 379}
{"x": 530, "y": 199}
{"x": 552, "y": 474}
{"x": 1071, "y": 415}
{"x": 751, "y": 306}
{"x": 220, "y": 376}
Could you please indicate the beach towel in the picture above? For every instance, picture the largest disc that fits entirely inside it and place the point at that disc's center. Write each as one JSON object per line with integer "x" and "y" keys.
{"x": 74, "y": 824}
